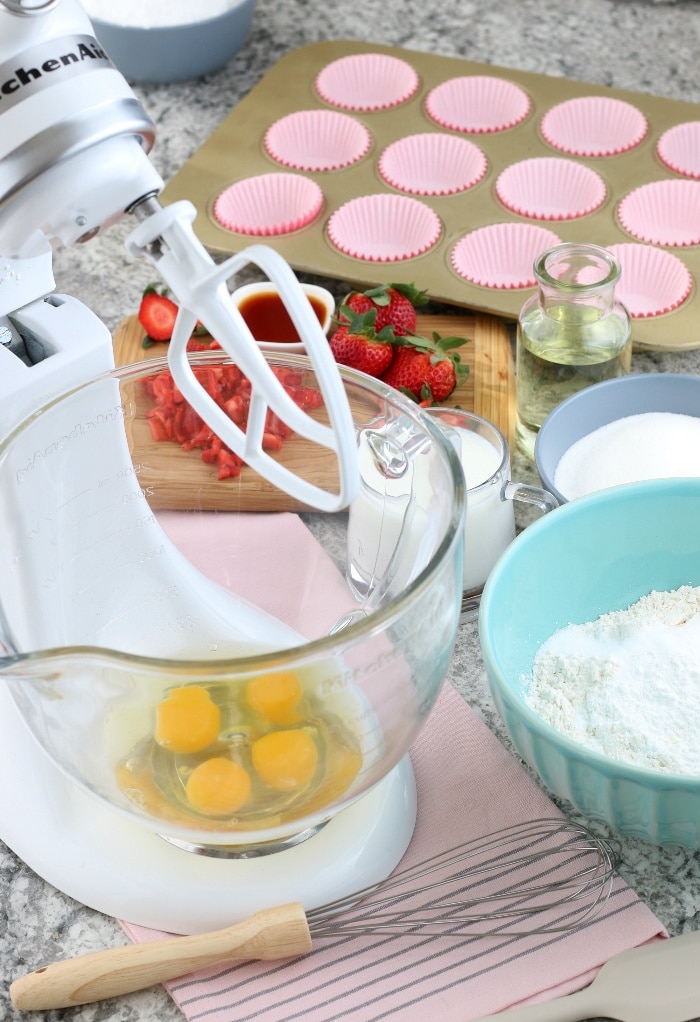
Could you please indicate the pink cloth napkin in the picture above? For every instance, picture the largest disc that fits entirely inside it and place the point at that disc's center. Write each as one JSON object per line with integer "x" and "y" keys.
{"x": 468, "y": 786}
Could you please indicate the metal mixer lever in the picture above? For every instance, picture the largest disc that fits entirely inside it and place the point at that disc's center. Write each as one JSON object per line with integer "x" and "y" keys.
{"x": 165, "y": 236}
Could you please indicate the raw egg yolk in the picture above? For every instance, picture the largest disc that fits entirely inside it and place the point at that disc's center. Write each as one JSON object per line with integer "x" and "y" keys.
{"x": 275, "y": 696}
{"x": 285, "y": 760}
{"x": 218, "y": 787}
{"x": 188, "y": 720}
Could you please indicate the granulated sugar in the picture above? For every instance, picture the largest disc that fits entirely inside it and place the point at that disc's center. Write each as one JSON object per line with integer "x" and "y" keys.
{"x": 652, "y": 445}
{"x": 628, "y": 684}
{"x": 155, "y": 13}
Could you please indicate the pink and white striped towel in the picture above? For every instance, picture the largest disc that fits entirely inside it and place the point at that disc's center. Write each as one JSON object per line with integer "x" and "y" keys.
{"x": 468, "y": 785}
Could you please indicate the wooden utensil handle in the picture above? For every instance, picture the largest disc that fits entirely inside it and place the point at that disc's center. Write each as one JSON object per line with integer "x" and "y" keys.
{"x": 281, "y": 932}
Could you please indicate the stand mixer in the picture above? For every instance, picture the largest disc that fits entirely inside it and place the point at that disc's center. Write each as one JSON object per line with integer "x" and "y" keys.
{"x": 102, "y": 612}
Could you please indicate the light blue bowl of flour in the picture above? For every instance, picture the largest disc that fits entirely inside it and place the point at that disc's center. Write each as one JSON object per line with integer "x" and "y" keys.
{"x": 597, "y": 554}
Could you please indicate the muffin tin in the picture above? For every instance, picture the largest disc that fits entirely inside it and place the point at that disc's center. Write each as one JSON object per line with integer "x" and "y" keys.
{"x": 372, "y": 164}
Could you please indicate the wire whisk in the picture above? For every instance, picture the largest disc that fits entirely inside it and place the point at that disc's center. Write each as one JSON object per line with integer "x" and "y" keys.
{"x": 543, "y": 876}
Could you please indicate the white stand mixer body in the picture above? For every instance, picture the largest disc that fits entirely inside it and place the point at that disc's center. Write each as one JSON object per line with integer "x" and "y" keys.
{"x": 73, "y": 157}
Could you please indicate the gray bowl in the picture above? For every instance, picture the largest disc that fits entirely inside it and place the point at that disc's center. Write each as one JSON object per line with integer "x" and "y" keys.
{"x": 173, "y": 53}
{"x": 602, "y": 403}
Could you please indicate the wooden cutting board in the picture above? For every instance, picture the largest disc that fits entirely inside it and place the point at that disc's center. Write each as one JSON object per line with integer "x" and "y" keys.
{"x": 173, "y": 474}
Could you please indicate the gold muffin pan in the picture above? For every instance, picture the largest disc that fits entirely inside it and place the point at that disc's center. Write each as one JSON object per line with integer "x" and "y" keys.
{"x": 237, "y": 152}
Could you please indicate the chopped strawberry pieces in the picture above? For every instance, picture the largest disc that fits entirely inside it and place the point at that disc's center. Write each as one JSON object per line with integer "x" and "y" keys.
{"x": 160, "y": 423}
{"x": 172, "y": 419}
{"x": 271, "y": 442}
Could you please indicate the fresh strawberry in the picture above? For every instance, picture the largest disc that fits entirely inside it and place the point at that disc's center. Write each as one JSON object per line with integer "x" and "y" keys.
{"x": 358, "y": 346}
{"x": 355, "y": 304}
{"x": 427, "y": 370}
{"x": 441, "y": 380}
{"x": 409, "y": 373}
{"x": 157, "y": 314}
{"x": 395, "y": 306}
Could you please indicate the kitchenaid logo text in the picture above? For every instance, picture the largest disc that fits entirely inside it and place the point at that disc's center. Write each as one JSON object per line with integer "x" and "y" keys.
{"x": 78, "y": 432}
{"x": 42, "y": 66}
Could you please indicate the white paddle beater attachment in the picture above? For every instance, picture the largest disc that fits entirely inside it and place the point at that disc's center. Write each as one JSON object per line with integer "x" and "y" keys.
{"x": 166, "y": 236}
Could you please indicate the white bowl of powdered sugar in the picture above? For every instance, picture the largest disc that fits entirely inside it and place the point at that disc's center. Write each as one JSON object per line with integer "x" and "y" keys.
{"x": 170, "y": 40}
{"x": 590, "y": 631}
{"x": 630, "y": 429}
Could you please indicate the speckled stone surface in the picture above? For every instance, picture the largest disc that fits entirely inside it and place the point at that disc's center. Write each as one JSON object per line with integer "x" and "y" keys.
{"x": 648, "y": 46}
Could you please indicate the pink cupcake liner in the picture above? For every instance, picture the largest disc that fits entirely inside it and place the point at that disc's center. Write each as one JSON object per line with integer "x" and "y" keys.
{"x": 316, "y": 140}
{"x": 384, "y": 228}
{"x": 268, "y": 204}
{"x": 367, "y": 81}
{"x": 502, "y": 255}
{"x": 594, "y": 126}
{"x": 679, "y": 148}
{"x": 549, "y": 188}
{"x": 477, "y": 103}
{"x": 663, "y": 212}
{"x": 432, "y": 164}
{"x": 652, "y": 281}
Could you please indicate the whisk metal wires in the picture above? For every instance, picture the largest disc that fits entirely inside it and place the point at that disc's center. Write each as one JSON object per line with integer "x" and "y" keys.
{"x": 545, "y": 876}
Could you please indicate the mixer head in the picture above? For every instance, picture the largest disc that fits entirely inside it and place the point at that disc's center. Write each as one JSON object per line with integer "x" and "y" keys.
{"x": 74, "y": 138}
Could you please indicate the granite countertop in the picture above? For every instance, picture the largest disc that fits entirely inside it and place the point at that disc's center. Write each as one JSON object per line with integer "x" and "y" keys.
{"x": 632, "y": 44}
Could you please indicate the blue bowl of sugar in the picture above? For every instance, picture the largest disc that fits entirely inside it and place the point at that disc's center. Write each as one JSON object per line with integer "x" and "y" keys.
{"x": 630, "y": 429}
{"x": 612, "y": 575}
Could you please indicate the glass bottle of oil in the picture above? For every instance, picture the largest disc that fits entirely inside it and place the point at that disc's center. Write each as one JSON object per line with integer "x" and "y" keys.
{"x": 571, "y": 333}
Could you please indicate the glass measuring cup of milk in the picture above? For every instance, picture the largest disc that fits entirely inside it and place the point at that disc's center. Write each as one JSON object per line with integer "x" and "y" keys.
{"x": 490, "y": 519}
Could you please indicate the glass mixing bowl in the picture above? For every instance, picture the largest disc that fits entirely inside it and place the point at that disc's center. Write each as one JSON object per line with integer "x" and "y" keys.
{"x": 200, "y": 653}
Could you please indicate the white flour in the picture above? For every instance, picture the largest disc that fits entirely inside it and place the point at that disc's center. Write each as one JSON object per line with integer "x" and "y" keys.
{"x": 155, "y": 13}
{"x": 628, "y": 684}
